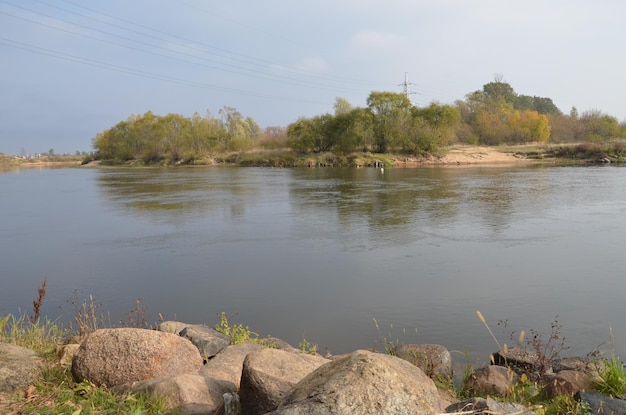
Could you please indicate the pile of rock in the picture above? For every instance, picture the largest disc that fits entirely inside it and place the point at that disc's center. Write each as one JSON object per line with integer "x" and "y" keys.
{"x": 196, "y": 370}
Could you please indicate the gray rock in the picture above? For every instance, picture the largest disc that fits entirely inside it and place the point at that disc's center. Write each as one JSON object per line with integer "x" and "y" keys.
{"x": 491, "y": 380}
{"x": 434, "y": 360}
{"x": 517, "y": 358}
{"x": 573, "y": 363}
{"x": 228, "y": 363}
{"x": 363, "y": 383}
{"x": 602, "y": 404}
{"x": 188, "y": 394}
{"x": 269, "y": 374}
{"x": 480, "y": 406}
{"x": 174, "y": 327}
{"x": 208, "y": 341}
{"x": 19, "y": 367}
{"x": 113, "y": 357}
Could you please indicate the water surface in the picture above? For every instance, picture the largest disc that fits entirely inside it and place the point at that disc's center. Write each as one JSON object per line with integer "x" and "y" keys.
{"x": 319, "y": 253}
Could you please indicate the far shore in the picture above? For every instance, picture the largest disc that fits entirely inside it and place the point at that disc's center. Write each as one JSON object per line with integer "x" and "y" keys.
{"x": 455, "y": 155}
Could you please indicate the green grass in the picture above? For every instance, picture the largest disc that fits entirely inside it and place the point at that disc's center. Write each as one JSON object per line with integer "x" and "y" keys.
{"x": 611, "y": 378}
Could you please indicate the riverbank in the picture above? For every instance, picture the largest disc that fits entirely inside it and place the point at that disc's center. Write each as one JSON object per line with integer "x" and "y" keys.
{"x": 455, "y": 155}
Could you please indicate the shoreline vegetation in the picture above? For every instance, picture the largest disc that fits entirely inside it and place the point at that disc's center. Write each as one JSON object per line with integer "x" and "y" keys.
{"x": 454, "y": 155}
{"x": 55, "y": 391}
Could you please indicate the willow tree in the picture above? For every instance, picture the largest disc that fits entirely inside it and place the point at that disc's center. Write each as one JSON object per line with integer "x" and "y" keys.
{"x": 391, "y": 116}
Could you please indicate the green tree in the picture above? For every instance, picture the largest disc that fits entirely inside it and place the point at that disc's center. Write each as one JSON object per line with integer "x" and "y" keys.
{"x": 342, "y": 106}
{"x": 390, "y": 118}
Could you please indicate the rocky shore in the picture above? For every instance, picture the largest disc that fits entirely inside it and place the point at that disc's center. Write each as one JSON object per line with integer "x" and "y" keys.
{"x": 197, "y": 370}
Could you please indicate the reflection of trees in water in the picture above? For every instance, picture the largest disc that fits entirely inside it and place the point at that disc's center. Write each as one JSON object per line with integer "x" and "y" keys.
{"x": 179, "y": 193}
{"x": 367, "y": 206}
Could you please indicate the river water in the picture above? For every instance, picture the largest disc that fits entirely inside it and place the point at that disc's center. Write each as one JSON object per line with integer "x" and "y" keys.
{"x": 319, "y": 253}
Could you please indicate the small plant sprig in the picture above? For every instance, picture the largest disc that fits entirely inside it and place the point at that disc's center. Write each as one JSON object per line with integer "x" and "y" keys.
{"x": 38, "y": 302}
{"x": 238, "y": 333}
{"x": 306, "y": 347}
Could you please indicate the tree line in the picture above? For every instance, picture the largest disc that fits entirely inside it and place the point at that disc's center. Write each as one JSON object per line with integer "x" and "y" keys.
{"x": 389, "y": 122}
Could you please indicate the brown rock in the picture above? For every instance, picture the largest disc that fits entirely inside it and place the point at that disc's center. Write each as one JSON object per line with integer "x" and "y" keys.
{"x": 491, "y": 380}
{"x": 174, "y": 327}
{"x": 113, "y": 357}
{"x": 188, "y": 394}
{"x": 228, "y": 363}
{"x": 66, "y": 353}
{"x": 433, "y": 359}
{"x": 569, "y": 382}
{"x": 269, "y": 374}
{"x": 363, "y": 383}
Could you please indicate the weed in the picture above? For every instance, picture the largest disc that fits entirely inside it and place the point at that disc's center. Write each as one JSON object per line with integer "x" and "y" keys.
{"x": 88, "y": 315}
{"x": 566, "y": 404}
{"x": 58, "y": 393}
{"x": 611, "y": 377}
{"x": 237, "y": 332}
{"x": 390, "y": 343}
{"x": 307, "y": 347}
{"x": 41, "y": 336}
{"x": 38, "y": 302}
{"x": 547, "y": 350}
{"x": 137, "y": 317}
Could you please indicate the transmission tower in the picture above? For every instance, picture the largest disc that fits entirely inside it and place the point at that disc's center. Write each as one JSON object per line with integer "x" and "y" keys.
{"x": 406, "y": 86}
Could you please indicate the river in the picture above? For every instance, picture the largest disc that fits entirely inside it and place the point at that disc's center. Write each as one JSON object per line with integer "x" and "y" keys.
{"x": 317, "y": 254}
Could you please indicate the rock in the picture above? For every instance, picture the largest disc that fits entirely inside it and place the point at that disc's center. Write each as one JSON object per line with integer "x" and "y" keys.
{"x": 517, "y": 358}
{"x": 573, "y": 363}
{"x": 363, "y": 383}
{"x": 113, "y": 357}
{"x": 491, "y": 380}
{"x": 208, "y": 341}
{"x": 269, "y": 374}
{"x": 569, "y": 382}
{"x": 601, "y": 404}
{"x": 276, "y": 343}
{"x": 188, "y": 394}
{"x": 174, "y": 327}
{"x": 19, "y": 368}
{"x": 66, "y": 353}
{"x": 434, "y": 360}
{"x": 481, "y": 406}
{"x": 228, "y": 363}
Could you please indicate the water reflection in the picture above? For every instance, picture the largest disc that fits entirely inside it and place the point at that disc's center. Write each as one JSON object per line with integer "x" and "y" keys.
{"x": 166, "y": 194}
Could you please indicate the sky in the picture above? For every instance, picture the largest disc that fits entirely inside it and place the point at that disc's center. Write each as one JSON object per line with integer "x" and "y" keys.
{"x": 70, "y": 68}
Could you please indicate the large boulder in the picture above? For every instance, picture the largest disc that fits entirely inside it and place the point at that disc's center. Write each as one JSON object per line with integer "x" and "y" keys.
{"x": 363, "y": 383}
{"x": 434, "y": 360}
{"x": 19, "y": 367}
{"x": 208, "y": 341}
{"x": 187, "y": 394}
{"x": 269, "y": 374}
{"x": 228, "y": 363}
{"x": 113, "y": 357}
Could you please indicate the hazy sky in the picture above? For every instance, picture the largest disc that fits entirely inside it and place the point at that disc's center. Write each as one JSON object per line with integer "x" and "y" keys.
{"x": 72, "y": 68}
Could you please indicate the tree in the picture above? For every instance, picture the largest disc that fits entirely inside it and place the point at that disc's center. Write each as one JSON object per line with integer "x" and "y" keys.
{"x": 391, "y": 112}
{"x": 342, "y": 106}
